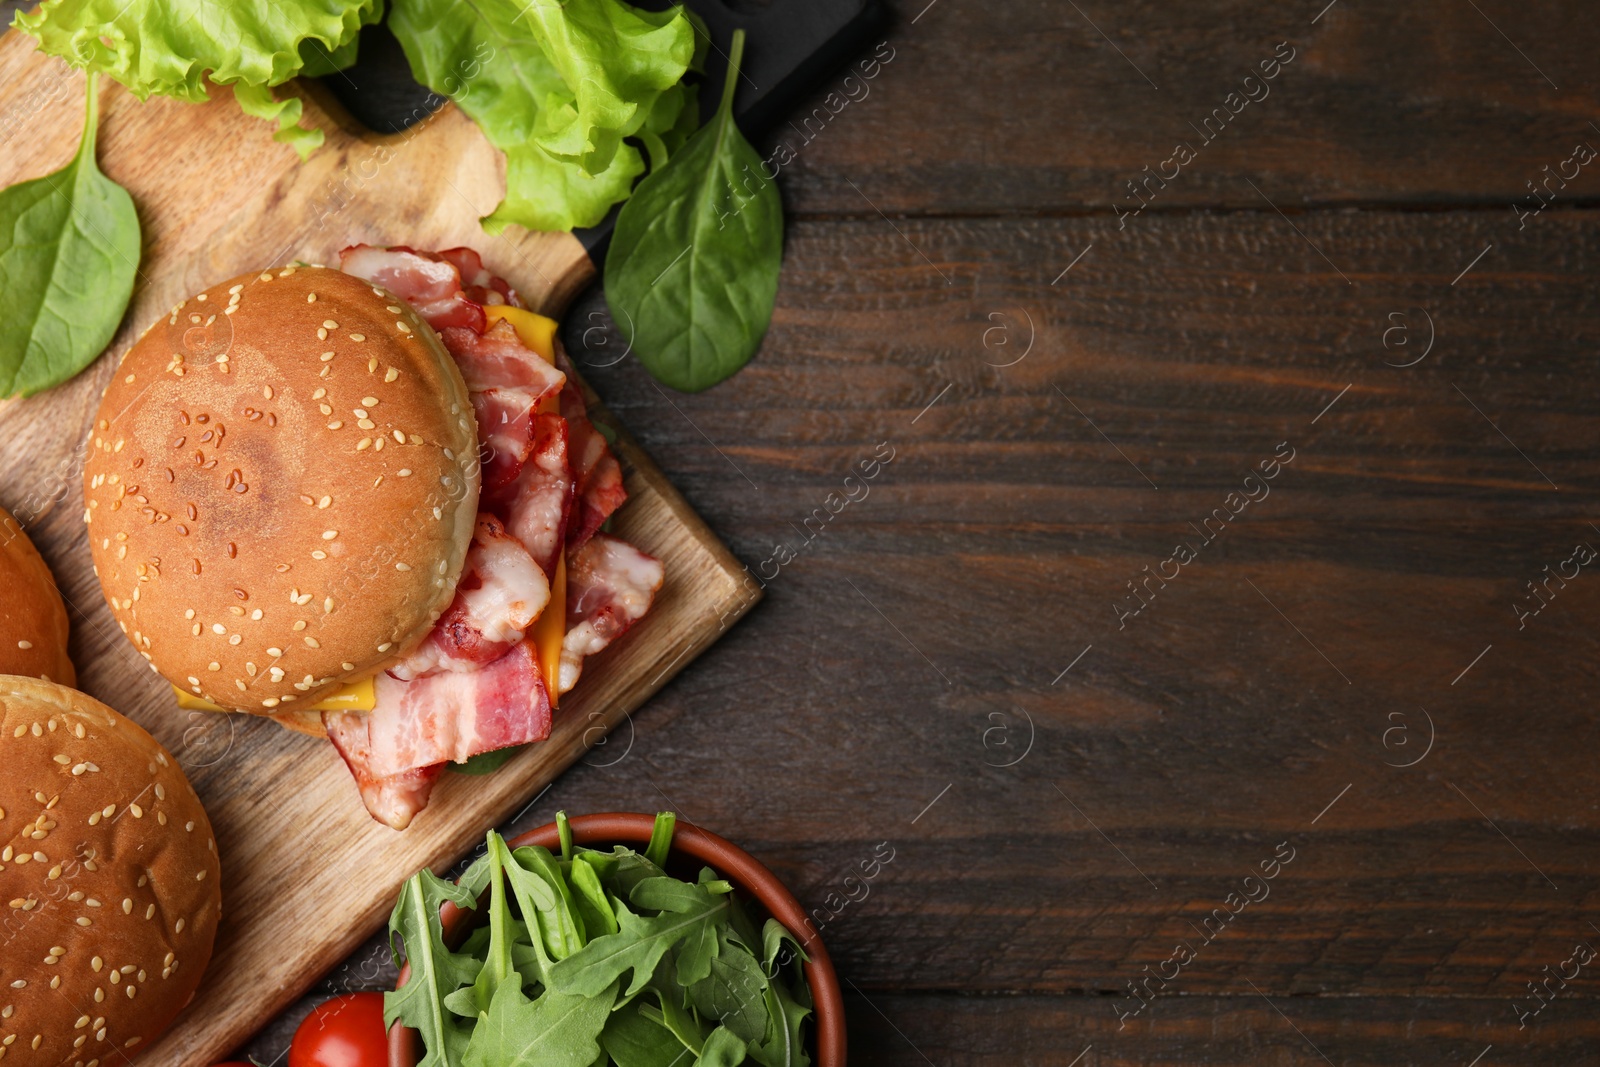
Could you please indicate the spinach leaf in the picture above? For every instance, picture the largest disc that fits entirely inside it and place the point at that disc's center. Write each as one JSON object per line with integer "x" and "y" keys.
{"x": 723, "y": 1048}
{"x": 693, "y": 268}
{"x": 436, "y": 972}
{"x": 69, "y": 250}
{"x": 637, "y": 946}
{"x": 552, "y": 1031}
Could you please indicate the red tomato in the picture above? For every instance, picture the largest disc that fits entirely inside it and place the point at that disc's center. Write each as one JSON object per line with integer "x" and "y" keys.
{"x": 346, "y": 1031}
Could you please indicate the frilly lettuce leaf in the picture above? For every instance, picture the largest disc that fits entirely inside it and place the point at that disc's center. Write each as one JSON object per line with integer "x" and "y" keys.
{"x": 257, "y": 101}
{"x": 174, "y": 47}
{"x": 556, "y": 86}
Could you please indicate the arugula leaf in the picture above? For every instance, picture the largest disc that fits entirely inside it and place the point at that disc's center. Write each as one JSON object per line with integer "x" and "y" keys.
{"x": 783, "y": 1045}
{"x": 175, "y": 47}
{"x": 633, "y": 1040}
{"x": 660, "y": 845}
{"x": 546, "y": 900}
{"x": 723, "y": 1048}
{"x": 497, "y": 960}
{"x": 590, "y": 898}
{"x": 556, "y": 87}
{"x": 701, "y": 944}
{"x": 638, "y": 946}
{"x": 693, "y": 267}
{"x": 773, "y": 935}
{"x": 487, "y": 762}
{"x": 734, "y": 991}
{"x": 436, "y": 972}
{"x": 552, "y": 1031}
{"x": 69, "y": 250}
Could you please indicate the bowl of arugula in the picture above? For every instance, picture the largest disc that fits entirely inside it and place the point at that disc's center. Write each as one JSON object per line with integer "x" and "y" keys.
{"x": 617, "y": 938}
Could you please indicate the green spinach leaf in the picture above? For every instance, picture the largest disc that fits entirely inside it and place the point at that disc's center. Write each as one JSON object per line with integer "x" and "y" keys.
{"x": 692, "y": 274}
{"x": 69, "y": 251}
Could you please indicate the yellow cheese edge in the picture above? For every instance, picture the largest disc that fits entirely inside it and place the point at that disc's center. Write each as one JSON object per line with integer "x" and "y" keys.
{"x": 550, "y": 629}
{"x": 355, "y": 696}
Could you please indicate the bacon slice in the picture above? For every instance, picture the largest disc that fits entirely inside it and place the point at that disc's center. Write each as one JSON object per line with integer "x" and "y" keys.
{"x": 505, "y": 434}
{"x": 480, "y": 285}
{"x": 396, "y": 750}
{"x": 537, "y": 505}
{"x": 502, "y": 590}
{"x": 431, "y": 285}
{"x": 610, "y": 585}
{"x": 597, "y": 473}
{"x": 496, "y": 359}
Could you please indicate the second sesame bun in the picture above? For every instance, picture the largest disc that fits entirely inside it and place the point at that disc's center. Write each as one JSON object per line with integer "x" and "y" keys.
{"x": 109, "y": 880}
{"x": 33, "y": 619}
{"x": 281, "y": 487}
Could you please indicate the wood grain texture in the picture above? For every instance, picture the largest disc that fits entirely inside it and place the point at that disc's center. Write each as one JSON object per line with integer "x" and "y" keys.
{"x": 1021, "y": 108}
{"x": 307, "y": 874}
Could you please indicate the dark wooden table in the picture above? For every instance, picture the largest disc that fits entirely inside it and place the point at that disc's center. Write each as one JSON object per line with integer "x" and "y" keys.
{"x": 1344, "y": 666}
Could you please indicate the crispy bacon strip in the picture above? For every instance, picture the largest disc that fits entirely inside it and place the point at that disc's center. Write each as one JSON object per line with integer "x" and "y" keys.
{"x": 432, "y": 286}
{"x": 597, "y": 473}
{"x": 537, "y": 505}
{"x": 505, "y": 435}
{"x": 610, "y": 585}
{"x": 496, "y": 359}
{"x": 502, "y": 590}
{"x": 396, "y": 751}
{"x": 480, "y": 285}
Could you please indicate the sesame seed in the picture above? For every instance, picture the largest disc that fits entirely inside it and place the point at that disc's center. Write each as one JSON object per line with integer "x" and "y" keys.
{"x": 358, "y": 337}
{"x": 326, "y": 356}
{"x": 329, "y": 535}
{"x": 336, "y": 424}
{"x": 311, "y": 298}
{"x": 275, "y": 652}
{"x": 391, "y": 374}
{"x": 360, "y": 413}
{"x": 24, "y": 645}
{"x": 402, "y": 327}
{"x": 322, "y": 333}
{"x": 402, "y": 566}
{"x": 325, "y": 501}
{"x": 366, "y": 424}
{"x": 311, "y": 642}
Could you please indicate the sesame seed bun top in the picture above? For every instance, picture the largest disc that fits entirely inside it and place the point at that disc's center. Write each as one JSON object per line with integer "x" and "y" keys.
{"x": 110, "y": 888}
{"x": 281, "y": 487}
{"x": 33, "y": 620}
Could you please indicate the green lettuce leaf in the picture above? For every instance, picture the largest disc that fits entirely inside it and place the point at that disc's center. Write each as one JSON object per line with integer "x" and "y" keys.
{"x": 257, "y": 101}
{"x": 175, "y": 47}
{"x": 556, "y": 87}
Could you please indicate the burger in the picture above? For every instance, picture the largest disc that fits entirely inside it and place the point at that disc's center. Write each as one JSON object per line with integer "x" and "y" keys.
{"x": 109, "y": 881}
{"x": 368, "y": 503}
{"x": 33, "y": 619}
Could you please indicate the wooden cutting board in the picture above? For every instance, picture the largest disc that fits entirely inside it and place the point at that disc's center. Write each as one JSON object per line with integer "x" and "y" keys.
{"x": 307, "y": 875}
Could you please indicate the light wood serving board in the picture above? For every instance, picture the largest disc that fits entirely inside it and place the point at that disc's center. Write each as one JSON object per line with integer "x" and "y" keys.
{"x": 307, "y": 875}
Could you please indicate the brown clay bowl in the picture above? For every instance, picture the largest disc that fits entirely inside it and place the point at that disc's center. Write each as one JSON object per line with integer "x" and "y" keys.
{"x": 689, "y": 842}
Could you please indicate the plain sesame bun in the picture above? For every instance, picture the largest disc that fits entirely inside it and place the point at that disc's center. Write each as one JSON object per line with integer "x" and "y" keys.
{"x": 109, "y": 880}
{"x": 281, "y": 487}
{"x": 33, "y": 620}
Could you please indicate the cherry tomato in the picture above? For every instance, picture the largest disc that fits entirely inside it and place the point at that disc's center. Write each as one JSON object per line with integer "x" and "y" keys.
{"x": 346, "y": 1031}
